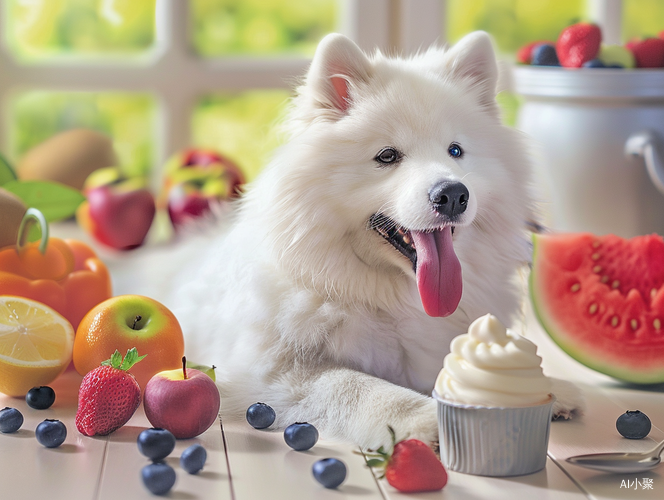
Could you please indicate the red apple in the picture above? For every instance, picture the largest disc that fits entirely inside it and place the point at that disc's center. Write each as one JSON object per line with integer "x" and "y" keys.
{"x": 186, "y": 204}
{"x": 118, "y": 215}
{"x": 184, "y": 401}
{"x": 197, "y": 179}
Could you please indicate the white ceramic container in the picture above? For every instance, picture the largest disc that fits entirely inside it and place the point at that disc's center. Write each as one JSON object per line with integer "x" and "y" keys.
{"x": 599, "y": 136}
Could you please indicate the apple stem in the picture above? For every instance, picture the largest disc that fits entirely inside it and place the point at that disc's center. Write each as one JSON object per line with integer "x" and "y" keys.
{"x": 136, "y": 320}
{"x": 184, "y": 366}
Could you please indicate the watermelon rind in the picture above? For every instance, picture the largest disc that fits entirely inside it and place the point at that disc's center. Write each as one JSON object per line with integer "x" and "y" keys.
{"x": 591, "y": 356}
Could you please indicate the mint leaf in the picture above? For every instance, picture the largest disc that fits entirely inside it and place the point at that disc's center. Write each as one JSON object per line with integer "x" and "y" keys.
{"x": 6, "y": 171}
{"x": 131, "y": 359}
{"x": 56, "y": 201}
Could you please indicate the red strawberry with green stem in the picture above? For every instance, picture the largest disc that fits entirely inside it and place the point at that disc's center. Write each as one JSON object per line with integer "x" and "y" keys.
{"x": 108, "y": 396}
{"x": 577, "y": 44}
{"x": 411, "y": 466}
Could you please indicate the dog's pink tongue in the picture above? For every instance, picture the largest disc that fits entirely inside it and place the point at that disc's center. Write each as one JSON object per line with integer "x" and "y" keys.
{"x": 438, "y": 272}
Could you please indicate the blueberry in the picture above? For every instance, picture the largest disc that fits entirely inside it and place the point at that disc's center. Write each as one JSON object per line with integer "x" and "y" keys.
{"x": 301, "y": 436}
{"x": 594, "y": 63}
{"x": 193, "y": 458}
{"x": 11, "y": 420}
{"x": 633, "y": 424}
{"x": 260, "y": 415}
{"x": 155, "y": 443}
{"x": 40, "y": 398}
{"x": 51, "y": 433}
{"x": 545, "y": 55}
{"x": 158, "y": 477}
{"x": 329, "y": 472}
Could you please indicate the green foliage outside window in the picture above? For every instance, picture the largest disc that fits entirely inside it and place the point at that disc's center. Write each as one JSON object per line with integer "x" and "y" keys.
{"x": 126, "y": 117}
{"x": 43, "y": 28}
{"x": 240, "y": 124}
{"x": 260, "y": 27}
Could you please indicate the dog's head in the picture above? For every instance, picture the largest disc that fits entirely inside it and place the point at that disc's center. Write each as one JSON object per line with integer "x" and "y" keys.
{"x": 396, "y": 167}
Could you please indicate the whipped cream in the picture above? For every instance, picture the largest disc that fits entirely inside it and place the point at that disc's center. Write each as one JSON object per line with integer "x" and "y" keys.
{"x": 492, "y": 366}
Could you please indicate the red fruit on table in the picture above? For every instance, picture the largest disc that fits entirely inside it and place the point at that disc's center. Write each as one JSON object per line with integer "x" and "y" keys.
{"x": 184, "y": 401}
{"x": 200, "y": 165}
{"x": 185, "y": 205}
{"x": 411, "y": 466}
{"x": 649, "y": 53}
{"x": 578, "y": 43}
{"x": 195, "y": 180}
{"x": 108, "y": 396}
{"x": 120, "y": 219}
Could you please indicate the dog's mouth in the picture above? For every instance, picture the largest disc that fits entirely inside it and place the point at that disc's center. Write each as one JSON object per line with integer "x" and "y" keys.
{"x": 431, "y": 252}
{"x": 396, "y": 235}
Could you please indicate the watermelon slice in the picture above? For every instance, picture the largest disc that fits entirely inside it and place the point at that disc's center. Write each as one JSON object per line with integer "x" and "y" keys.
{"x": 601, "y": 299}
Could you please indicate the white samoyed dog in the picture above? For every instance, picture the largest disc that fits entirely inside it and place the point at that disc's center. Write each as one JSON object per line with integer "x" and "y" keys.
{"x": 393, "y": 217}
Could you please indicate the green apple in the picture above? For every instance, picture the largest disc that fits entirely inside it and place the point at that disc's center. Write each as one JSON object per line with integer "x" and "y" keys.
{"x": 616, "y": 54}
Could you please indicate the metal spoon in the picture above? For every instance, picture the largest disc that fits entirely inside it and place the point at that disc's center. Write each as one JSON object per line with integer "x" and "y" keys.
{"x": 620, "y": 462}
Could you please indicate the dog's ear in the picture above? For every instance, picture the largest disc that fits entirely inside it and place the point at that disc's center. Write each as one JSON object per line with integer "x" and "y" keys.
{"x": 337, "y": 66}
{"x": 474, "y": 59}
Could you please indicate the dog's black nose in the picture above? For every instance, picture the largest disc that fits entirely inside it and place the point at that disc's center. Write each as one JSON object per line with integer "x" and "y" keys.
{"x": 449, "y": 198}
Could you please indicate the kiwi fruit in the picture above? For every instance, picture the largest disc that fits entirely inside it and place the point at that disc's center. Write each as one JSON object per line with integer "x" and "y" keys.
{"x": 12, "y": 210}
{"x": 68, "y": 157}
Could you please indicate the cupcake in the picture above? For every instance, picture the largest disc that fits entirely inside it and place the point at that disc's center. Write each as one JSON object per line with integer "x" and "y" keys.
{"x": 494, "y": 403}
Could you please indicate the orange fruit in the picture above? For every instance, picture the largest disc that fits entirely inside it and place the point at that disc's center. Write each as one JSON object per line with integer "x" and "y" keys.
{"x": 128, "y": 321}
{"x": 35, "y": 344}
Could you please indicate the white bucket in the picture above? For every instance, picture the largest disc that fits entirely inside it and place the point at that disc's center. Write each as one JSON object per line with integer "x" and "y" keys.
{"x": 601, "y": 139}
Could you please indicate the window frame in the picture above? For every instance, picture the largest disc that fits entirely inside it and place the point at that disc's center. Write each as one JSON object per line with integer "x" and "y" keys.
{"x": 401, "y": 25}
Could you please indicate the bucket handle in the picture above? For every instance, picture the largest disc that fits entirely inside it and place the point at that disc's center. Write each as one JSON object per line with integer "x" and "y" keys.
{"x": 645, "y": 144}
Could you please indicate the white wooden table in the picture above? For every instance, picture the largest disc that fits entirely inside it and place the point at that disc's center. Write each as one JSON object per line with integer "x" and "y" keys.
{"x": 244, "y": 463}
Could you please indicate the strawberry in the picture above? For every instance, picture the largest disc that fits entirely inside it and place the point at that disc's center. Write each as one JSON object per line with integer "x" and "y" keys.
{"x": 411, "y": 467}
{"x": 649, "y": 53}
{"x": 108, "y": 395}
{"x": 577, "y": 44}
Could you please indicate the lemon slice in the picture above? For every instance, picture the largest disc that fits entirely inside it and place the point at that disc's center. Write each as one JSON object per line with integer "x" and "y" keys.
{"x": 36, "y": 344}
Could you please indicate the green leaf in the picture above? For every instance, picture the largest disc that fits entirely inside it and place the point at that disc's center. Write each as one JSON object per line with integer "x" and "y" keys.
{"x": 376, "y": 462}
{"x": 56, "y": 201}
{"x": 115, "y": 361}
{"x": 6, "y": 171}
{"x": 131, "y": 359}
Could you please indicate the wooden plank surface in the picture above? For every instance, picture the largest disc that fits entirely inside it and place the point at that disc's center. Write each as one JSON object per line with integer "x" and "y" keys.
{"x": 595, "y": 431}
{"x": 264, "y": 466}
{"x": 29, "y": 471}
{"x": 551, "y": 483}
{"x": 246, "y": 464}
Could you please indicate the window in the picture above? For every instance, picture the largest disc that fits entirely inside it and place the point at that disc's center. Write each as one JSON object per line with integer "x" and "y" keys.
{"x": 160, "y": 75}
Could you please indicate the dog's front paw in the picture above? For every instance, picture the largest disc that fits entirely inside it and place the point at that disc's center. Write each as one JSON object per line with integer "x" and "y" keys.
{"x": 569, "y": 402}
{"x": 422, "y": 425}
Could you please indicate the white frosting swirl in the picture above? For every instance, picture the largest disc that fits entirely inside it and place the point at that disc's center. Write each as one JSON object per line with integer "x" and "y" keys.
{"x": 492, "y": 366}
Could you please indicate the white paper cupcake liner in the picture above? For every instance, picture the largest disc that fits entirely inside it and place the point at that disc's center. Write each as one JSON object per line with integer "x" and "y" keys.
{"x": 493, "y": 441}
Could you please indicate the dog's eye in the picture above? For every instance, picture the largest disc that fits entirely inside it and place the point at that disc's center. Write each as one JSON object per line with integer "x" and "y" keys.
{"x": 387, "y": 156}
{"x": 455, "y": 151}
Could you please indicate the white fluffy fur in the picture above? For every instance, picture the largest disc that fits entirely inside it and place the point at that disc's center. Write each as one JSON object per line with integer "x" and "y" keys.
{"x": 303, "y": 307}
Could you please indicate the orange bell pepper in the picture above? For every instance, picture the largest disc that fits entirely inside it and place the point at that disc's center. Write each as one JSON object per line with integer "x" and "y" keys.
{"x": 66, "y": 275}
